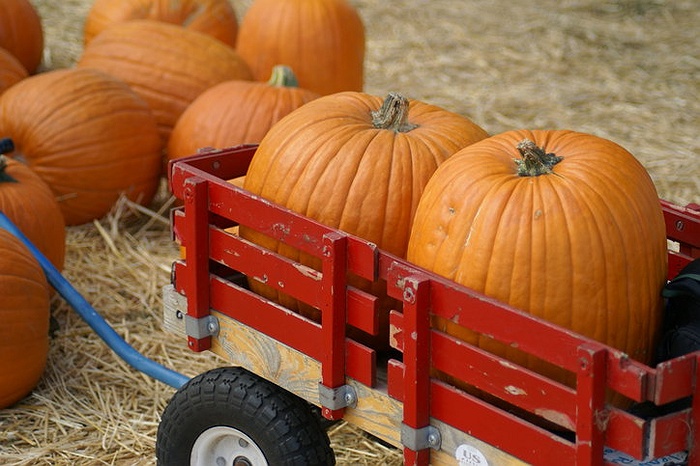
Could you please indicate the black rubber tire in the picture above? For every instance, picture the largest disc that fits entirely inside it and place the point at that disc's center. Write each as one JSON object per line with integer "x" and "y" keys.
{"x": 280, "y": 423}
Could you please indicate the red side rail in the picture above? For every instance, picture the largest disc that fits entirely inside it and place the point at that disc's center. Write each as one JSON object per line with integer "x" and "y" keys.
{"x": 583, "y": 424}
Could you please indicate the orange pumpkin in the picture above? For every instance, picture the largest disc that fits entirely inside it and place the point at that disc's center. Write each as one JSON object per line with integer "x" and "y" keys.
{"x": 572, "y": 233}
{"x": 87, "y": 135}
{"x": 167, "y": 65}
{"x": 21, "y": 32}
{"x": 355, "y": 162}
{"x": 24, "y": 320}
{"x": 22, "y": 192}
{"x": 11, "y": 70}
{"x": 236, "y": 112}
{"x": 214, "y": 17}
{"x": 323, "y": 41}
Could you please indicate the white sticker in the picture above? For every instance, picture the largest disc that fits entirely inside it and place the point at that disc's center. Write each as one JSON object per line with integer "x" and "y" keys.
{"x": 467, "y": 455}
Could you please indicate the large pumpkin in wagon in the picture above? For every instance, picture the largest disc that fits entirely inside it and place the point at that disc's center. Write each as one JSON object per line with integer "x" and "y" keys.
{"x": 564, "y": 225}
{"x": 355, "y": 162}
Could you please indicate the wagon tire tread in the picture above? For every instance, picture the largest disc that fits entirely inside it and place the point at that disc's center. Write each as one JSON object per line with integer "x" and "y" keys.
{"x": 280, "y": 423}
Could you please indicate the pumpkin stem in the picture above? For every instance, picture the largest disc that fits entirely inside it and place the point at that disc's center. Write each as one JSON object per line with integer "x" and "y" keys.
{"x": 4, "y": 177}
{"x": 535, "y": 161}
{"x": 282, "y": 76}
{"x": 393, "y": 114}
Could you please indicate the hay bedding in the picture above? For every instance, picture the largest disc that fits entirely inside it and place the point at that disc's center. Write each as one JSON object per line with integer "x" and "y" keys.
{"x": 627, "y": 70}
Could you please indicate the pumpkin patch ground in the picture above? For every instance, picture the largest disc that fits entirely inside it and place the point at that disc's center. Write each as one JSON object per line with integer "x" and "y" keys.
{"x": 624, "y": 70}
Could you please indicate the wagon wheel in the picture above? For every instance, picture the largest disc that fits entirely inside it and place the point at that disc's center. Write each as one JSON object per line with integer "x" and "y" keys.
{"x": 229, "y": 416}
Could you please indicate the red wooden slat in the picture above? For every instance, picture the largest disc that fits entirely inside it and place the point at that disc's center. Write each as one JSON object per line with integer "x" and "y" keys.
{"x": 333, "y": 294}
{"x": 270, "y": 318}
{"x": 591, "y": 416}
{"x": 394, "y": 378}
{"x": 361, "y": 363}
{"x": 270, "y": 268}
{"x": 628, "y": 377}
{"x": 416, "y": 386}
{"x": 363, "y": 259}
{"x": 674, "y": 379}
{"x": 362, "y": 311}
{"x": 669, "y": 434}
{"x": 509, "y": 382}
{"x": 499, "y": 428}
{"x": 627, "y": 433}
{"x": 220, "y": 163}
{"x": 197, "y": 242}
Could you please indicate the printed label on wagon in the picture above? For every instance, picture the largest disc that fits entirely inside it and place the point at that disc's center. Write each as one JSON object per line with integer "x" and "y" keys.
{"x": 467, "y": 455}
{"x": 615, "y": 457}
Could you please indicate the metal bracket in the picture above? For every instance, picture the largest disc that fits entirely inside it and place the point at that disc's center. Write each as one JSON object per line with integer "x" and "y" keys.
{"x": 337, "y": 398}
{"x": 420, "y": 439}
{"x": 201, "y": 328}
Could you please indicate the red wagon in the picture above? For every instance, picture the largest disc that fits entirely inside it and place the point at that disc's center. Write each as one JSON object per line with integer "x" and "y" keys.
{"x": 283, "y": 367}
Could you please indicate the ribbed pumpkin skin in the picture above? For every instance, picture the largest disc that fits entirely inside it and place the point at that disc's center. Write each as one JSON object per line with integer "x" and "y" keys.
{"x": 87, "y": 135}
{"x": 24, "y": 320}
{"x": 323, "y": 41}
{"x": 11, "y": 70}
{"x": 232, "y": 113}
{"x": 327, "y": 160}
{"x": 583, "y": 247}
{"x": 29, "y": 203}
{"x": 167, "y": 65}
{"x": 216, "y": 18}
{"x": 21, "y": 32}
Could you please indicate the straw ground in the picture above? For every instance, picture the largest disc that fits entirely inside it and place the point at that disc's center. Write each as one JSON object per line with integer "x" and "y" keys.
{"x": 627, "y": 70}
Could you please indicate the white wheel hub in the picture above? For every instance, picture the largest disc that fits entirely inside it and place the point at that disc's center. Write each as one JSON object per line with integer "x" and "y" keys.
{"x": 226, "y": 446}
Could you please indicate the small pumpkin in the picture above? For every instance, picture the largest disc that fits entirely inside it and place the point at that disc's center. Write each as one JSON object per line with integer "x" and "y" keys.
{"x": 216, "y": 18}
{"x": 21, "y": 32}
{"x": 29, "y": 203}
{"x": 87, "y": 135}
{"x": 355, "y": 162}
{"x": 11, "y": 70}
{"x": 564, "y": 225}
{"x": 24, "y": 320}
{"x": 167, "y": 65}
{"x": 236, "y": 112}
{"x": 323, "y": 41}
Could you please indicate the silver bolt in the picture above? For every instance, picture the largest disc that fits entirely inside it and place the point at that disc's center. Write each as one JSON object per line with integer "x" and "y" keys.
{"x": 432, "y": 439}
{"x": 349, "y": 398}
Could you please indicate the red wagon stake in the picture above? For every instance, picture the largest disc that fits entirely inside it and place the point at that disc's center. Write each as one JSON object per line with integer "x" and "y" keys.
{"x": 394, "y": 396}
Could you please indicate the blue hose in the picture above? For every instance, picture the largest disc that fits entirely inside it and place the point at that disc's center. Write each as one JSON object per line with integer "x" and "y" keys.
{"x": 93, "y": 319}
